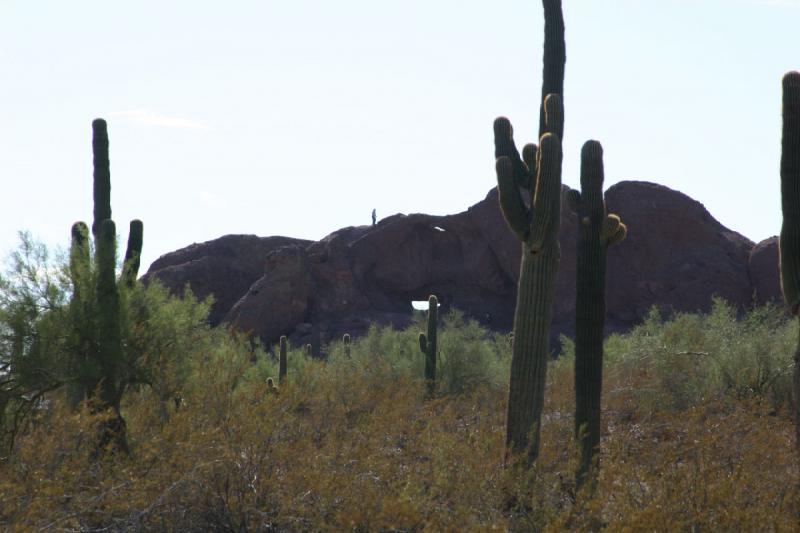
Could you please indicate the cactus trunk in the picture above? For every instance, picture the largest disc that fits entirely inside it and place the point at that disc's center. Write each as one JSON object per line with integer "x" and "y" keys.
{"x": 537, "y": 227}
{"x": 790, "y": 202}
{"x": 102, "y": 174}
{"x": 554, "y": 61}
{"x": 427, "y": 345}
{"x": 531, "y": 349}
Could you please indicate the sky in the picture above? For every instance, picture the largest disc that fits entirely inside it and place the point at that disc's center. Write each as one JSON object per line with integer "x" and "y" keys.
{"x": 299, "y": 117}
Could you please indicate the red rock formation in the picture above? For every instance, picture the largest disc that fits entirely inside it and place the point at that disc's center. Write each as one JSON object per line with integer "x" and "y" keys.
{"x": 676, "y": 256}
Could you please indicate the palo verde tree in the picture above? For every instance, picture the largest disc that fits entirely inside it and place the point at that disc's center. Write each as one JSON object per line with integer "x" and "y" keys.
{"x": 535, "y": 219}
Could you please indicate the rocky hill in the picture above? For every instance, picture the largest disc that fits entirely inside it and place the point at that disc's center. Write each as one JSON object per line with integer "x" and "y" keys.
{"x": 676, "y": 256}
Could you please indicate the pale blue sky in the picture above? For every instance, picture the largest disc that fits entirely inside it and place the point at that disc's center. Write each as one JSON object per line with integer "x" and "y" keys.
{"x": 298, "y": 117}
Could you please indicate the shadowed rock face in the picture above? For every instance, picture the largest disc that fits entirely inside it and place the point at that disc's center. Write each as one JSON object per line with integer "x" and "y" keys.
{"x": 223, "y": 268}
{"x": 676, "y": 256}
{"x": 765, "y": 274}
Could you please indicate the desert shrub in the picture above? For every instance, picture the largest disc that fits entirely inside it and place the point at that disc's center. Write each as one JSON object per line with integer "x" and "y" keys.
{"x": 353, "y": 444}
{"x": 687, "y": 358}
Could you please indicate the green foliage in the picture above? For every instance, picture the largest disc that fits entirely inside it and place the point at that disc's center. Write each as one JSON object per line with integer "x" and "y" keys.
{"x": 34, "y": 291}
{"x": 45, "y": 337}
{"x": 683, "y": 361}
{"x": 235, "y": 457}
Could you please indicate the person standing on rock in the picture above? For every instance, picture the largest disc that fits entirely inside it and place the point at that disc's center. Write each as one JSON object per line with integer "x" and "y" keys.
{"x": 374, "y": 217}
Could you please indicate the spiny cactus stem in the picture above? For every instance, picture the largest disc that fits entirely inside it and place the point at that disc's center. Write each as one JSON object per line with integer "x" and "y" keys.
{"x": 790, "y": 192}
{"x": 554, "y": 60}
{"x": 133, "y": 253}
{"x": 427, "y": 344}
{"x": 102, "y": 174}
{"x": 282, "y": 360}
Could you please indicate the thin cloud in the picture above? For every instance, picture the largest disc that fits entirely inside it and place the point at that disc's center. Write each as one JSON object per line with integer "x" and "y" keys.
{"x": 148, "y": 118}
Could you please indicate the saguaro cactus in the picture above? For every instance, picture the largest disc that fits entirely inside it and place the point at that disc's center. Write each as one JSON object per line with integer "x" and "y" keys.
{"x": 282, "y": 361}
{"x": 596, "y": 232}
{"x": 427, "y": 344}
{"x": 536, "y": 224}
{"x": 346, "y": 343}
{"x": 790, "y": 202}
{"x": 95, "y": 305}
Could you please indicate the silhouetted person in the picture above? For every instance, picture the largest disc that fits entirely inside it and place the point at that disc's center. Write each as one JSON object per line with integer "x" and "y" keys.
{"x": 374, "y": 217}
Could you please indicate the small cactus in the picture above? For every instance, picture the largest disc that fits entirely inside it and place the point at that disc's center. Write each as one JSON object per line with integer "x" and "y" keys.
{"x": 427, "y": 345}
{"x": 282, "y": 362}
{"x": 596, "y": 232}
{"x": 271, "y": 387}
{"x": 346, "y": 343}
{"x": 308, "y": 350}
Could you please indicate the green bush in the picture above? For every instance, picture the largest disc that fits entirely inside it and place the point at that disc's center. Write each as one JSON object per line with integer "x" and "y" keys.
{"x": 681, "y": 361}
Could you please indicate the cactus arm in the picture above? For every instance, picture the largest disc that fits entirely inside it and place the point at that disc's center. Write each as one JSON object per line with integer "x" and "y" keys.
{"x": 102, "y": 174}
{"x": 133, "y": 253}
{"x": 554, "y": 114}
{"x": 611, "y": 225}
{"x": 529, "y": 156}
{"x": 790, "y": 192}
{"x": 423, "y": 343}
{"x": 79, "y": 256}
{"x": 547, "y": 199}
{"x": 516, "y": 214}
{"x": 613, "y": 230}
{"x": 504, "y": 147}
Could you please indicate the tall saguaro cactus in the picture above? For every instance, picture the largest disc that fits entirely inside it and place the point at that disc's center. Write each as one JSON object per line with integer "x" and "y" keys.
{"x": 537, "y": 228}
{"x": 95, "y": 305}
{"x": 535, "y": 220}
{"x": 790, "y": 202}
{"x": 596, "y": 232}
{"x": 427, "y": 344}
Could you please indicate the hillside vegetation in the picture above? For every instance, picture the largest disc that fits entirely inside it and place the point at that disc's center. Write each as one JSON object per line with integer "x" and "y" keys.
{"x": 697, "y": 436}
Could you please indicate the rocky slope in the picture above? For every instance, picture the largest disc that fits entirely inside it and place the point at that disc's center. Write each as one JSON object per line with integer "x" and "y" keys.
{"x": 676, "y": 256}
